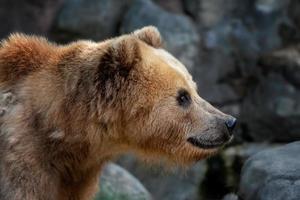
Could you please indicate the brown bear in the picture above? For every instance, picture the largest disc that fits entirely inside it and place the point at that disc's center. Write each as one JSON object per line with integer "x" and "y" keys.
{"x": 82, "y": 104}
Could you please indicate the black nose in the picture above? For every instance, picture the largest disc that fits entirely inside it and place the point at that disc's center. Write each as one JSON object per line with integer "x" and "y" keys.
{"x": 230, "y": 124}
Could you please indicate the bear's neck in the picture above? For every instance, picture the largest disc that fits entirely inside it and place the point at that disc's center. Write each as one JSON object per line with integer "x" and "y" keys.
{"x": 73, "y": 150}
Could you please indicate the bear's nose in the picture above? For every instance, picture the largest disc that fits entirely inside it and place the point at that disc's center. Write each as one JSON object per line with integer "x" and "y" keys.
{"x": 230, "y": 124}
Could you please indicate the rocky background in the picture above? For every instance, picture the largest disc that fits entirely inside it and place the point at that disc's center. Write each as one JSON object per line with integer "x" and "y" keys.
{"x": 245, "y": 57}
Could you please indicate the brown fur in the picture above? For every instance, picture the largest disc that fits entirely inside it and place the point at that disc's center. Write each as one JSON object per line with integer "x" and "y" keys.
{"x": 82, "y": 104}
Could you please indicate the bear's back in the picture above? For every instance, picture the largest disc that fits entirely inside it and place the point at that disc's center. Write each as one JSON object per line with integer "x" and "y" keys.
{"x": 20, "y": 55}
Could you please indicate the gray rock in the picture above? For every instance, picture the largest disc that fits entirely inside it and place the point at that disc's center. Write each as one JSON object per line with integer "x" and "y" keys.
{"x": 118, "y": 184}
{"x": 230, "y": 197}
{"x": 269, "y": 6}
{"x": 176, "y": 184}
{"x": 285, "y": 61}
{"x": 213, "y": 68}
{"x": 232, "y": 35}
{"x": 179, "y": 33}
{"x": 293, "y": 12}
{"x": 210, "y": 13}
{"x": 174, "y": 6}
{"x": 272, "y": 174}
{"x": 243, "y": 152}
{"x": 253, "y": 31}
{"x": 223, "y": 170}
{"x": 275, "y": 98}
{"x": 91, "y": 19}
{"x": 236, "y": 21}
{"x": 28, "y": 16}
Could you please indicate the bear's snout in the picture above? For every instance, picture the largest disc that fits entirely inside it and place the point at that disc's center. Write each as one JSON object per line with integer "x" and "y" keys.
{"x": 217, "y": 134}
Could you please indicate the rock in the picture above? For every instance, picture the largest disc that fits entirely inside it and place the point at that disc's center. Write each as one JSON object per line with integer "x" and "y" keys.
{"x": 210, "y": 13}
{"x": 174, "y": 6}
{"x": 223, "y": 170}
{"x": 290, "y": 30}
{"x": 179, "y": 33}
{"x": 176, "y": 184}
{"x": 253, "y": 31}
{"x": 208, "y": 179}
{"x": 230, "y": 196}
{"x": 90, "y": 19}
{"x": 269, "y": 6}
{"x": 285, "y": 61}
{"x": 29, "y": 16}
{"x": 272, "y": 174}
{"x": 213, "y": 68}
{"x": 293, "y": 12}
{"x": 118, "y": 184}
{"x": 275, "y": 98}
{"x": 232, "y": 36}
{"x": 233, "y": 18}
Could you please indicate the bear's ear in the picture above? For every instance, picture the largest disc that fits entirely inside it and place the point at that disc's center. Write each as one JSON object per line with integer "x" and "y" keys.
{"x": 116, "y": 63}
{"x": 124, "y": 52}
{"x": 149, "y": 35}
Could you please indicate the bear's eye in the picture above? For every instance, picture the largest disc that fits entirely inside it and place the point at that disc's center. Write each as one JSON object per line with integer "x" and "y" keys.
{"x": 183, "y": 98}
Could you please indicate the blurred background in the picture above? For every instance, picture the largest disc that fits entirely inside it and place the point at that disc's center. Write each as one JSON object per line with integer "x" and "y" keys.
{"x": 244, "y": 56}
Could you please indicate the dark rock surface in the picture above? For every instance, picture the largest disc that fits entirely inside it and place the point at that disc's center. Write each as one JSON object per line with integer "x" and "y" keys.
{"x": 174, "y": 6}
{"x": 223, "y": 170}
{"x": 275, "y": 98}
{"x": 29, "y": 16}
{"x": 210, "y": 13}
{"x": 272, "y": 174}
{"x": 89, "y": 19}
{"x": 293, "y": 12}
{"x": 172, "y": 184}
{"x": 213, "y": 68}
{"x": 119, "y": 184}
{"x": 230, "y": 196}
{"x": 234, "y": 25}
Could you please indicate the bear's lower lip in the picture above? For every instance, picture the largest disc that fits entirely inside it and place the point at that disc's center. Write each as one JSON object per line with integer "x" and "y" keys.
{"x": 195, "y": 141}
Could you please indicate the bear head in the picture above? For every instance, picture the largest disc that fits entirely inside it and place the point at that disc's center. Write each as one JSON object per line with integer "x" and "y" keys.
{"x": 151, "y": 101}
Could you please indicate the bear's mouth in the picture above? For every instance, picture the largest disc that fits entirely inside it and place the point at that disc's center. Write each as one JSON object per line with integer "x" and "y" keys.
{"x": 209, "y": 143}
{"x": 204, "y": 144}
